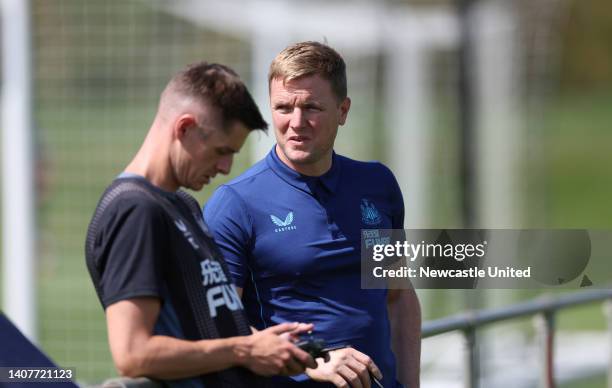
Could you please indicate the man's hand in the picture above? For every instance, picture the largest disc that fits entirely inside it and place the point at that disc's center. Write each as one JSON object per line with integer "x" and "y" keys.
{"x": 269, "y": 352}
{"x": 346, "y": 367}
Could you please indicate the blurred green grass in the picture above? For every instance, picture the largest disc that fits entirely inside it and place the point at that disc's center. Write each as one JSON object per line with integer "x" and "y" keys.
{"x": 593, "y": 382}
{"x": 577, "y": 179}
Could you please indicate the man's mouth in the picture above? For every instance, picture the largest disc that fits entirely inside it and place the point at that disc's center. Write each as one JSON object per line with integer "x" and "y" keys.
{"x": 299, "y": 139}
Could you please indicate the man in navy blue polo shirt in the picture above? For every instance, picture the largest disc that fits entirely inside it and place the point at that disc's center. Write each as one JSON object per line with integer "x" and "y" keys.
{"x": 290, "y": 228}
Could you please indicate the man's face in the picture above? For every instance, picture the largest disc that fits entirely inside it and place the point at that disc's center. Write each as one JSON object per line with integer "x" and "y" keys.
{"x": 207, "y": 151}
{"x": 306, "y": 115}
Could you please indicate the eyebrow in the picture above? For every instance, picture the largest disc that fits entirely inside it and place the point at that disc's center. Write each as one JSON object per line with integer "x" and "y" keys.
{"x": 311, "y": 103}
{"x": 280, "y": 104}
{"x": 308, "y": 102}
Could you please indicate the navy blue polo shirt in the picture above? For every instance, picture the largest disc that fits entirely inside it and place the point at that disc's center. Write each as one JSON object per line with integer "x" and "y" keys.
{"x": 292, "y": 242}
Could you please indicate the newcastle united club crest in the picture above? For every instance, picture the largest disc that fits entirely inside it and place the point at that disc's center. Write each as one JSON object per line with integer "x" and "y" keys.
{"x": 369, "y": 213}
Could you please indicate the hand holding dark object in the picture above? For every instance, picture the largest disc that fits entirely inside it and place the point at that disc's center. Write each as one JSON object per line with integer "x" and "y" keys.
{"x": 313, "y": 346}
{"x": 268, "y": 352}
{"x": 343, "y": 366}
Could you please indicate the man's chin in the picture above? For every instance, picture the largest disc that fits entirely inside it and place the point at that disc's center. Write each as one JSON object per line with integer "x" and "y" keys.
{"x": 197, "y": 186}
{"x": 294, "y": 157}
{"x": 299, "y": 157}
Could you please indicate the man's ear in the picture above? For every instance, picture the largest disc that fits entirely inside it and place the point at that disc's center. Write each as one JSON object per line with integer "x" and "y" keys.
{"x": 344, "y": 108}
{"x": 182, "y": 125}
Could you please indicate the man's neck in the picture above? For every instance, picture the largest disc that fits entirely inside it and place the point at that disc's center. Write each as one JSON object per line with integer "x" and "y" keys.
{"x": 156, "y": 170}
{"x": 314, "y": 169}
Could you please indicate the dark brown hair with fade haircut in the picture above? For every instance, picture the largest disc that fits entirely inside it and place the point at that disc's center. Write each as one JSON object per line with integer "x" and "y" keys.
{"x": 310, "y": 58}
{"x": 221, "y": 87}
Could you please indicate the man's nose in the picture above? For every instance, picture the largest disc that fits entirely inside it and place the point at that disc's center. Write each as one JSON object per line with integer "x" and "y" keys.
{"x": 297, "y": 118}
{"x": 224, "y": 165}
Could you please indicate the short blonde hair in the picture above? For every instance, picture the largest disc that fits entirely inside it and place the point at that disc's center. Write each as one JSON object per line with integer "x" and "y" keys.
{"x": 310, "y": 58}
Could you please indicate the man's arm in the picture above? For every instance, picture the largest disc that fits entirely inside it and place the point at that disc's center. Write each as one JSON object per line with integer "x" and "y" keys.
{"x": 346, "y": 367}
{"x": 137, "y": 352}
{"x": 405, "y": 318}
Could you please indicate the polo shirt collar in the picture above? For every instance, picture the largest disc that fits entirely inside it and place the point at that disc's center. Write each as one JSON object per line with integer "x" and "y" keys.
{"x": 329, "y": 180}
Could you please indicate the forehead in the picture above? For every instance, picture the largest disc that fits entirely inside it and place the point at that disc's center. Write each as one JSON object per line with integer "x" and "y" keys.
{"x": 311, "y": 87}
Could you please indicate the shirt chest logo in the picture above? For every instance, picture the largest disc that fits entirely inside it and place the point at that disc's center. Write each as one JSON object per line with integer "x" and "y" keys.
{"x": 369, "y": 213}
{"x": 187, "y": 233}
{"x": 283, "y": 225}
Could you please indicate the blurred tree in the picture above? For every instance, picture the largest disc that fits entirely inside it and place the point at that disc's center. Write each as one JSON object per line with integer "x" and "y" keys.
{"x": 586, "y": 57}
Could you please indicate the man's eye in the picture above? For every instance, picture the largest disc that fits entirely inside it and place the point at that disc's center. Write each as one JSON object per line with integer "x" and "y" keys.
{"x": 283, "y": 109}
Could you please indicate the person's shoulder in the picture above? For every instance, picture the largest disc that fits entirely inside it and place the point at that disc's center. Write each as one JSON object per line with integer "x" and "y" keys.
{"x": 130, "y": 196}
{"x": 372, "y": 169}
{"x": 253, "y": 180}
{"x": 125, "y": 207}
{"x": 252, "y": 176}
{"x": 235, "y": 196}
{"x": 224, "y": 201}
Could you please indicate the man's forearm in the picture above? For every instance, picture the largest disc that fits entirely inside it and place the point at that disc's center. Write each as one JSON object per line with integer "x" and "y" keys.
{"x": 170, "y": 358}
{"x": 405, "y": 318}
{"x": 137, "y": 352}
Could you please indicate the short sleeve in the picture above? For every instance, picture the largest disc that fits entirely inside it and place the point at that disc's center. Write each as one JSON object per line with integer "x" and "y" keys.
{"x": 226, "y": 215}
{"x": 396, "y": 199}
{"x": 131, "y": 246}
